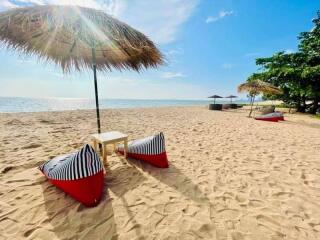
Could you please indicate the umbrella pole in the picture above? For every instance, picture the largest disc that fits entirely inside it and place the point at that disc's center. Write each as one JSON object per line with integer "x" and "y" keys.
{"x": 94, "y": 67}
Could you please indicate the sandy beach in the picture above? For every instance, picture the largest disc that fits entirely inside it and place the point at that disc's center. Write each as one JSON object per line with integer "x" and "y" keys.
{"x": 230, "y": 177}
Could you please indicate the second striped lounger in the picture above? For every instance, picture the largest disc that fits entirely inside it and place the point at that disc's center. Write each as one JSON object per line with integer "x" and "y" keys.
{"x": 150, "y": 149}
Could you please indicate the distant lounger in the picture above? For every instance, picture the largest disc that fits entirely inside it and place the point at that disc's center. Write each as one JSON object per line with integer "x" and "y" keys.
{"x": 271, "y": 117}
{"x": 267, "y": 109}
{"x": 230, "y": 106}
{"x": 217, "y": 107}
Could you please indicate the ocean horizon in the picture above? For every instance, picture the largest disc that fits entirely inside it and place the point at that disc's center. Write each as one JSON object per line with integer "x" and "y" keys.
{"x": 26, "y": 104}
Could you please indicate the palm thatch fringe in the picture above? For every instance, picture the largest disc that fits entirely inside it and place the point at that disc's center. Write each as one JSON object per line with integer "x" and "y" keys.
{"x": 255, "y": 87}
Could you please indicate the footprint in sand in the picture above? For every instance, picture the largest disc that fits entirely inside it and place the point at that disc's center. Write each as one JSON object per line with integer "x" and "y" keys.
{"x": 283, "y": 194}
{"x": 7, "y": 169}
{"x": 46, "y": 121}
{"x": 227, "y": 214}
{"x": 237, "y": 236}
{"x": 241, "y": 199}
{"x": 315, "y": 226}
{"x": 57, "y": 131}
{"x": 30, "y": 231}
{"x": 14, "y": 122}
{"x": 255, "y": 203}
{"x": 268, "y": 221}
{"x": 32, "y": 145}
{"x": 190, "y": 210}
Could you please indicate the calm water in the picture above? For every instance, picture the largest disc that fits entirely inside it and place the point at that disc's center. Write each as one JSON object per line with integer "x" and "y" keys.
{"x": 17, "y": 104}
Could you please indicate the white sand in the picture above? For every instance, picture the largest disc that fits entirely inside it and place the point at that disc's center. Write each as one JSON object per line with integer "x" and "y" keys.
{"x": 230, "y": 177}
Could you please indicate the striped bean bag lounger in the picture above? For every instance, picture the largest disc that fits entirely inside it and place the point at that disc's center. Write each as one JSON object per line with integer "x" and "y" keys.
{"x": 272, "y": 117}
{"x": 79, "y": 174}
{"x": 150, "y": 149}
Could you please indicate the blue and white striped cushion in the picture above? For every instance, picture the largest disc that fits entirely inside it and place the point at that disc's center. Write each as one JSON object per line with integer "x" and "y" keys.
{"x": 149, "y": 146}
{"x": 77, "y": 165}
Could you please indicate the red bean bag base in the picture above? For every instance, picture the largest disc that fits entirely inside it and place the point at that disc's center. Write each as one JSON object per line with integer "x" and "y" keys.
{"x": 150, "y": 149}
{"x": 273, "y": 119}
{"x": 79, "y": 174}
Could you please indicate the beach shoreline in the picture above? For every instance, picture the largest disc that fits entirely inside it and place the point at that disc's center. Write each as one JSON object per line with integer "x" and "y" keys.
{"x": 24, "y": 104}
{"x": 230, "y": 177}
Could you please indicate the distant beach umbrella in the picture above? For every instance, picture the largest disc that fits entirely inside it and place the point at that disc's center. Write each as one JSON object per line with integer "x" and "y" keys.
{"x": 231, "y": 97}
{"x": 214, "y": 98}
{"x": 77, "y": 38}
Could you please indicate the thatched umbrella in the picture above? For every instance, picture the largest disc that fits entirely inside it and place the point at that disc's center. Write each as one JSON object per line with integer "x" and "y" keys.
{"x": 214, "y": 98}
{"x": 255, "y": 87}
{"x": 231, "y": 96}
{"x": 77, "y": 38}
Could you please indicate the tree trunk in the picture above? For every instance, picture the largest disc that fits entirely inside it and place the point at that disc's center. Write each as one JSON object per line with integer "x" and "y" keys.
{"x": 252, "y": 101}
{"x": 315, "y": 106}
{"x": 250, "y": 105}
{"x": 301, "y": 105}
{"x": 304, "y": 104}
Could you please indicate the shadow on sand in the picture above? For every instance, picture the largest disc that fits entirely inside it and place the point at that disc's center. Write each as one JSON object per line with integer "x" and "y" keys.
{"x": 171, "y": 176}
{"x": 131, "y": 173}
{"x": 123, "y": 178}
{"x": 72, "y": 220}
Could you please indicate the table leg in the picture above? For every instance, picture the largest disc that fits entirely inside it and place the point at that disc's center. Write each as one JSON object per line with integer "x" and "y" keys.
{"x": 104, "y": 153}
{"x": 125, "y": 148}
{"x": 95, "y": 145}
{"x": 114, "y": 147}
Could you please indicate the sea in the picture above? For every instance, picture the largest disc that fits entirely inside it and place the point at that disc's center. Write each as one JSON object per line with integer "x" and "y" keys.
{"x": 22, "y": 104}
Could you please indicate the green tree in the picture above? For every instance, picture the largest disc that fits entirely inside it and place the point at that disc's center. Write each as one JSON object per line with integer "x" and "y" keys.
{"x": 310, "y": 46}
{"x": 285, "y": 71}
{"x": 296, "y": 74}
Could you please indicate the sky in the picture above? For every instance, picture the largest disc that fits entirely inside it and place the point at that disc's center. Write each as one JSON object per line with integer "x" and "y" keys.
{"x": 210, "y": 47}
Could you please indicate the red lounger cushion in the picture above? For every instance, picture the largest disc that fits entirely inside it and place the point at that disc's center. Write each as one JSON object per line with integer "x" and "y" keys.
{"x": 150, "y": 149}
{"x": 79, "y": 174}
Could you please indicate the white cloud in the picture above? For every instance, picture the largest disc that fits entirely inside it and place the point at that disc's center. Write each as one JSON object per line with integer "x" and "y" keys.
{"x": 30, "y": 1}
{"x": 169, "y": 75}
{"x": 5, "y": 4}
{"x": 227, "y": 66}
{"x": 288, "y": 51}
{"x": 123, "y": 81}
{"x": 221, "y": 15}
{"x": 172, "y": 56}
{"x": 82, "y": 3}
{"x": 173, "y": 52}
{"x": 161, "y": 19}
{"x": 252, "y": 54}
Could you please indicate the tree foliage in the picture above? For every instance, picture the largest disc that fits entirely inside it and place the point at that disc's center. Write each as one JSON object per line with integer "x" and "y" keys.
{"x": 296, "y": 74}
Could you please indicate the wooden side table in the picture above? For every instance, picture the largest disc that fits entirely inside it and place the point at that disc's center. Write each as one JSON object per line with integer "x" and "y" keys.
{"x": 109, "y": 138}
